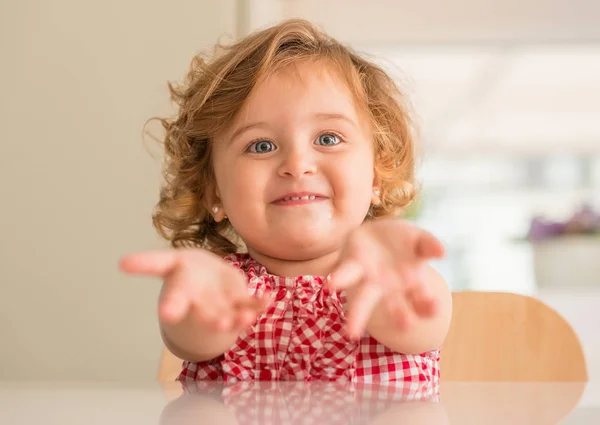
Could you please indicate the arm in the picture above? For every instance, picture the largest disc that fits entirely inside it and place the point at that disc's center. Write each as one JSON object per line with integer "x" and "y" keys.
{"x": 425, "y": 334}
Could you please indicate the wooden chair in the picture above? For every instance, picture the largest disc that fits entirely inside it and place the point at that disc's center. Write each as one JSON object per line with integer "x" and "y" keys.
{"x": 493, "y": 337}
{"x": 168, "y": 370}
{"x": 169, "y": 366}
{"x": 509, "y": 337}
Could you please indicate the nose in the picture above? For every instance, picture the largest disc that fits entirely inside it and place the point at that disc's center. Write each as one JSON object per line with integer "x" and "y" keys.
{"x": 297, "y": 163}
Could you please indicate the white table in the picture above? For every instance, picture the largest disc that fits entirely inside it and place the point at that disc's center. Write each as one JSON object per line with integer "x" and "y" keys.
{"x": 308, "y": 403}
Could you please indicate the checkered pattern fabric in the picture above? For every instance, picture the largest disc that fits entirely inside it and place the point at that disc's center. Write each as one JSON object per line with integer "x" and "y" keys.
{"x": 300, "y": 337}
{"x": 315, "y": 402}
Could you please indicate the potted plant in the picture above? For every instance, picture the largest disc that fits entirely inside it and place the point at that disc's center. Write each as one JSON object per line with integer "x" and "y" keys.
{"x": 567, "y": 253}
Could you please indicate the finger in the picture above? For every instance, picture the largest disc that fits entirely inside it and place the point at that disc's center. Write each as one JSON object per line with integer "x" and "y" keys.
{"x": 224, "y": 318}
{"x": 348, "y": 274}
{"x": 210, "y": 304}
{"x": 362, "y": 307}
{"x": 268, "y": 298}
{"x": 249, "y": 301}
{"x": 246, "y": 307}
{"x": 206, "y": 303}
{"x": 235, "y": 287}
{"x": 212, "y": 300}
{"x": 400, "y": 310}
{"x": 415, "y": 293}
{"x": 423, "y": 304}
{"x": 246, "y": 317}
{"x": 173, "y": 306}
{"x": 243, "y": 308}
{"x": 403, "y": 318}
{"x": 428, "y": 246}
{"x": 265, "y": 300}
{"x": 151, "y": 263}
{"x": 248, "y": 312}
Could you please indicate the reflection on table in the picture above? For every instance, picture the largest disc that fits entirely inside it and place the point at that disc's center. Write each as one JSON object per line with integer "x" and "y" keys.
{"x": 299, "y": 403}
{"x": 333, "y": 403}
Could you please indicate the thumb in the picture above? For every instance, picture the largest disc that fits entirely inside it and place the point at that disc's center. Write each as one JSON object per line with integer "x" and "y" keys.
{"x": 428, "y": 246}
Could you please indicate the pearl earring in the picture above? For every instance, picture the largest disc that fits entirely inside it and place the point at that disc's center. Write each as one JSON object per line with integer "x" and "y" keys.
{"x": 377, "y": 192}
{"x": 215, "y": 209}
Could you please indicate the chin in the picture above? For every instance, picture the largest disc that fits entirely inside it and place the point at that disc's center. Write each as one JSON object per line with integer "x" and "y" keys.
{"x": 299, "y": 247}
{"x": 300, "y": 253}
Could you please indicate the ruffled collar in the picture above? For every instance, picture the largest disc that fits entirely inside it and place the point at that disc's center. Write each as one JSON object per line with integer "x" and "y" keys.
{"x": 256, "y": 271}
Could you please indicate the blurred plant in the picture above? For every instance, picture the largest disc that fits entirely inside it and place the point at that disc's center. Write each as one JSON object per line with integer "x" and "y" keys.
{"x": 413, "y": 209}
{"x": 585, "y": 221}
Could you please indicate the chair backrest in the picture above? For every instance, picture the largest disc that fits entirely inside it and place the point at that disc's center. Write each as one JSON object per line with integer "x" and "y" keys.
{"x": 169, "y": 367}
{"x": 493, "y": 337}
{"x": 508, "y": 337}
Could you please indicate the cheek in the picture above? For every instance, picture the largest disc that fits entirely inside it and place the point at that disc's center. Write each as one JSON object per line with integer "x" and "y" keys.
{"x": 355, "y": 179}
{"x": 242, "y": 187}
{"x": 359, "y": 170}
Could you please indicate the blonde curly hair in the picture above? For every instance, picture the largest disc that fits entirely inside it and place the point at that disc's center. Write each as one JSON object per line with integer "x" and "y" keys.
{"x": 214, "y": 91}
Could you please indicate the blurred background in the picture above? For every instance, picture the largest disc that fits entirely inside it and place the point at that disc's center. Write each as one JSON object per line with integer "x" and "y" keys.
{"x": 507, "y": 95}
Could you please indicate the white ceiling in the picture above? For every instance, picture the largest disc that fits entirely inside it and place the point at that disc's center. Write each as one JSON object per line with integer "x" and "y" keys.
{"x": 525, "y": 99}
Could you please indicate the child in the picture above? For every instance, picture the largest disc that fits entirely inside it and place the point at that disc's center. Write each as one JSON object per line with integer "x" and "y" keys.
{"x": 285, "y": 168}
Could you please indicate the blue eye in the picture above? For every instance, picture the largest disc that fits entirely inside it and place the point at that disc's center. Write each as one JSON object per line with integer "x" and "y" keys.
{"x": 328, "y": 139}
{"x": 262, "y": 146}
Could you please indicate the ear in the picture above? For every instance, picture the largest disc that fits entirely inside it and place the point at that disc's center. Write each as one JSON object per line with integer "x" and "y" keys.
{"x": 376, "y": 195}
{"x": 213, "y": 204}
{"x": 218, "y": 213}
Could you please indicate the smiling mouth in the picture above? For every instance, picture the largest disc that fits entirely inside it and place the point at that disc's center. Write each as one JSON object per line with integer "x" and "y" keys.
{"x": 299, "y": 200}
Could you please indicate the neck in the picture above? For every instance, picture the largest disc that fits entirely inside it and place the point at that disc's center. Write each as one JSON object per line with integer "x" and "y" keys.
{"x": 321, "y": 265}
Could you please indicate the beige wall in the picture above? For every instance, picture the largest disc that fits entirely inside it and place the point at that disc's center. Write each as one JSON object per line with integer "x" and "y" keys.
{"x": 78, "y": 80}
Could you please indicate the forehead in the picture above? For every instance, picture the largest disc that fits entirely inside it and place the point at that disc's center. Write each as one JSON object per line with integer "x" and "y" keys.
{"x": 304, "y": 87}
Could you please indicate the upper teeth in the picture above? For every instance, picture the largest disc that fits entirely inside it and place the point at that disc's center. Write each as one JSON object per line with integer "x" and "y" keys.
{"x": 298, "y": 198}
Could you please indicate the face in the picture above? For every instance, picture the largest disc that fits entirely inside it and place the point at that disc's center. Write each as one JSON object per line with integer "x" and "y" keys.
{"x": 294, "y": 172}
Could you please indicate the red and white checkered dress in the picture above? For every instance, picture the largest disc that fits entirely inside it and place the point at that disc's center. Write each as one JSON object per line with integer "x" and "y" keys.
{"x": 301, "y": 337}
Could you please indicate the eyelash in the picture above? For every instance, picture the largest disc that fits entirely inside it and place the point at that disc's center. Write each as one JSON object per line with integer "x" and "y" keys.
{"x": 255, "y": 141}
{"x": 334, "y": 133}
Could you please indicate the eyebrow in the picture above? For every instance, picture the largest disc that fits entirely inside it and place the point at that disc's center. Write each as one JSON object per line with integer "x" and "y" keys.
{"x": 247, "y": 127}
{"x": 335, "y": 116}
{"x": 318, "y": 115}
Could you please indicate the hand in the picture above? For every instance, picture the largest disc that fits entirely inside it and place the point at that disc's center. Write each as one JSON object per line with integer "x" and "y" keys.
{"x": 382, "y": 265}
{"x": 198, "y": 283}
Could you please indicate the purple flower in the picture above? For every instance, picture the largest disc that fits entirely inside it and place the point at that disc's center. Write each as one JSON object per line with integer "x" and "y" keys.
{"x": 584, "y": 221}
{"x": 541, "y": 229}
